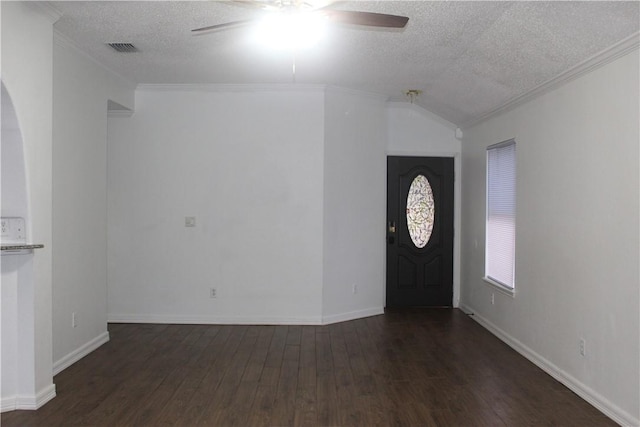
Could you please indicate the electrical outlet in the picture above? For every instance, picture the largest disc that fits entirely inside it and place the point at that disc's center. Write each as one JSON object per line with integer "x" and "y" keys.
{"x": 74, "y": 320}
{"x": 213, "y": 293}
{"x": 12, "y": 230}
{"x": 493, "y": 298}
{"x": 583, "y": 347}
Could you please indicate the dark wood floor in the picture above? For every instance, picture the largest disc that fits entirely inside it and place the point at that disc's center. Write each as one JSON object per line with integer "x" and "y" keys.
{"x": 406, "y": 368}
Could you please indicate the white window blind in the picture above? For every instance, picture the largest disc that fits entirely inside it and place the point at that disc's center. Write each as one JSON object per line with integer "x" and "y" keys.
{"x": 501, "y": 213}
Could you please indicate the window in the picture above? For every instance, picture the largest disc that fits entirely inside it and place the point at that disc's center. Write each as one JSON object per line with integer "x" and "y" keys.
{"x": 420, "y": 211}
{"x": 501, "y": 214}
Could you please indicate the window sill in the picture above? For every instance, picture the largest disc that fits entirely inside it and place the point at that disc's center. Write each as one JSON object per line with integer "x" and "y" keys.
{"x": 500, "y": 287}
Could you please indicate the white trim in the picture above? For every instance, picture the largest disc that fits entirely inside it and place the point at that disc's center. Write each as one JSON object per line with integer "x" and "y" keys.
{"x": 352, "y": 315}
{"x": 258, "y": 88}
{"x": 502, "y": 288}
{"x": 43, "y": 396}
{"x": 8, "y": 404}
{"x": 600, "y": 402}
{"x": 118, "y": 114}
{"x": 356, "y": 92}
{"x": 118, "y": 110}
{"x": 47, "y": 9}
{"x": 213, "y": 87}
{"x": 28, "y": 402}
{"x": 77, "y": 354}
{"x": 65, "y": 42}
{"x": 598, "y": 60}
{"x": 212, "y": 319}
{"x": 243, "y": 320}
{"x": 421, "y": 153}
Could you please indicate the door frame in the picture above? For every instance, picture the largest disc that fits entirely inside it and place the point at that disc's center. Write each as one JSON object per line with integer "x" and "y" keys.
{"x": 457, "y": 215}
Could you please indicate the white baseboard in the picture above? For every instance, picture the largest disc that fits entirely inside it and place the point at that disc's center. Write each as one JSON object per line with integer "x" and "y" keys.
{"x": 242, "y": 320}
{"x": 8, "y": 404}
{"x": 211, "y": 320}
{"x": 601, "y": 403}
{"x": 77, "y": 354}
{"x": 28, "y": 402}
{"x": 352, "y": 315}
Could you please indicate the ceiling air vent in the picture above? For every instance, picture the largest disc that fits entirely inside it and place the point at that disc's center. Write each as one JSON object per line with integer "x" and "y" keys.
{"x": 123, "y": 47}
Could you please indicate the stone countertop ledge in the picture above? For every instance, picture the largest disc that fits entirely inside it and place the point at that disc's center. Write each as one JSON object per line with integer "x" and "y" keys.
{"x": 19, "y": 247}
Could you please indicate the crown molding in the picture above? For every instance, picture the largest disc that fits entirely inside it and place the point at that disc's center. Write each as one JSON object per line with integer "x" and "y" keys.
{"x": 598, "y": 60}
{"x": 257, "y": 88}
{"x": 65, "y": 42}
{"x": 119, "y": 114}
{"x": 215, "y": 87}
{"x": 117, "y": 110}
{"x": 357, "y": 92}
{"x": 46, "y": 9}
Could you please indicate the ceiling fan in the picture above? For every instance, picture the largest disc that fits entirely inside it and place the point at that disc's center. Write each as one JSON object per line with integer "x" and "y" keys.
{"x": 319, "y": 7}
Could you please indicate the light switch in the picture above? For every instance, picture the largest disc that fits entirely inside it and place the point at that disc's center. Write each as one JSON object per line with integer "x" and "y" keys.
{"x": 189, "y": 221}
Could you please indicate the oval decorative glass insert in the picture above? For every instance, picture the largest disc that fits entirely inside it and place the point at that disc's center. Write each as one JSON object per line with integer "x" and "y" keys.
{"x": 420, "y": 211}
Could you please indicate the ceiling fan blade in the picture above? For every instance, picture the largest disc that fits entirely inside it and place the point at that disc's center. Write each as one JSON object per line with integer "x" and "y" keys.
{"x": 222, "y": 26}
{"x": 370, "y": 19}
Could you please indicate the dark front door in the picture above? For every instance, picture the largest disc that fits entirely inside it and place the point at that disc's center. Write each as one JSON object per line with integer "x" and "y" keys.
{"x": 419, "y": 231}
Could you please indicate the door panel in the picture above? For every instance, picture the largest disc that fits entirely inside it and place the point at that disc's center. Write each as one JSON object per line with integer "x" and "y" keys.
{"x": 407, "y": 273}
{"x": 419, "y": 265}
{"x": 433, "y": 271}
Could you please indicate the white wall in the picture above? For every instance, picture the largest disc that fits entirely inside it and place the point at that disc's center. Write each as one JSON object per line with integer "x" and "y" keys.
{"x": 13, "y": 167}
{"x": 81, "y": 90}
{"x": 354, "y": 205}
{"x": 27, "y": 36}
{"x": 414, "y": 131}
{"x": 577, "y": 235}
{"x": 248, "y": 164}
{"x": 288, "y": 189}
{"x": 14, "y": 183}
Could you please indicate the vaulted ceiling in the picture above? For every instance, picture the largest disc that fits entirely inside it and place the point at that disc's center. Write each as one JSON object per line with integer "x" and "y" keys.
{"x": 469, "y": 58}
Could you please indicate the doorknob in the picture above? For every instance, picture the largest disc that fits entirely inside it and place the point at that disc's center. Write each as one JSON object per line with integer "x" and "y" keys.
{"x": 391, "y": 227}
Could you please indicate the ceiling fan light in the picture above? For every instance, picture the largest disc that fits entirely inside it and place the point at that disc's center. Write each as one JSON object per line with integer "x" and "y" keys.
{"x": 295, "y": 30}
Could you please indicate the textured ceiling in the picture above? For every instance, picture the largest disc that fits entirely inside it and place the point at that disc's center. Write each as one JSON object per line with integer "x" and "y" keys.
{"x": 468, "y": 58}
